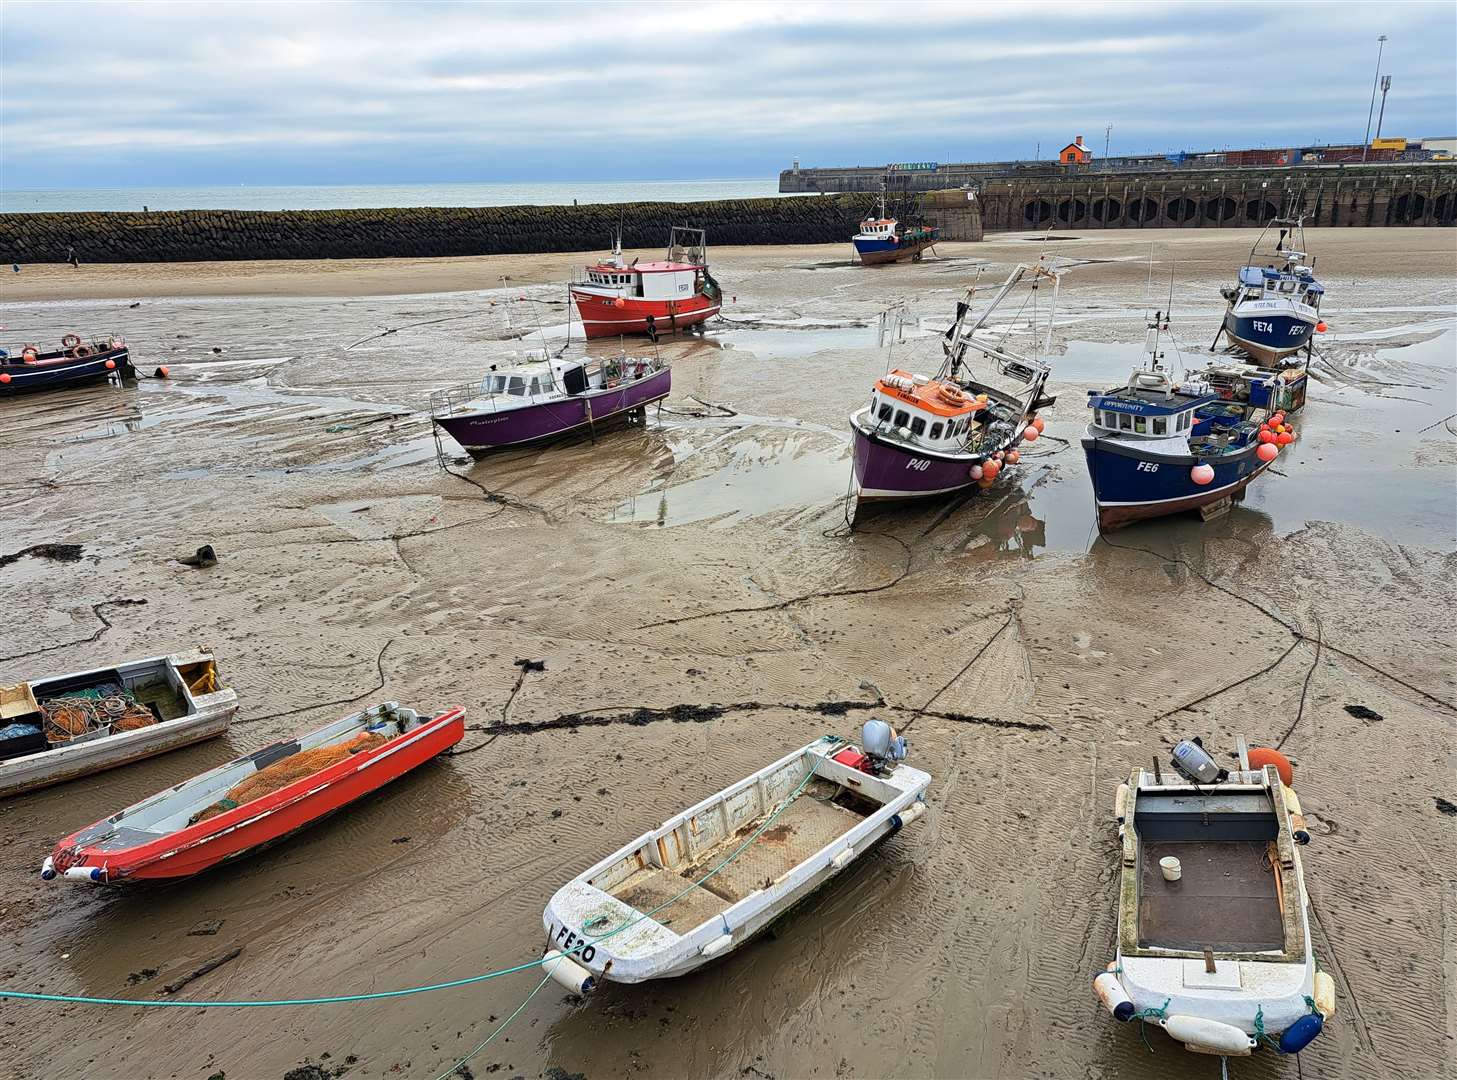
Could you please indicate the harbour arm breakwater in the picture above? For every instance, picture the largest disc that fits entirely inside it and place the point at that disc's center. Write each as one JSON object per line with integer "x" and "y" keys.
{"x": 421, "y": 232}
{"x": 1156, "y": 200}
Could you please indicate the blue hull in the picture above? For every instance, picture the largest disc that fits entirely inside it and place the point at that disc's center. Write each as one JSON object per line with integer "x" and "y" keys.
{"x": 54, "y": 373}
{"x": 1131, "y": 485}
{"x": 873, "y": 251}
{"x": 1267, "y": 336}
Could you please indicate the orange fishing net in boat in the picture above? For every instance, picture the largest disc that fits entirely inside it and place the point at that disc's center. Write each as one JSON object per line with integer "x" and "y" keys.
{"x": 133, "y": 719}
{"x": 282, "y": 773}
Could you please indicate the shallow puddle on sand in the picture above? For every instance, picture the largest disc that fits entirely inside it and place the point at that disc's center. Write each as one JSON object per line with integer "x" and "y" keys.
{"x": 792, "y": 343}
{"x": 762, "y": 475}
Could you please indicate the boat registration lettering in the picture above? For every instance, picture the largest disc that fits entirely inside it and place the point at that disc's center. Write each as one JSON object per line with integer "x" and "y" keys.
{"x": 1147, "y": 466}
{"x": 566, "y": 940}
{"x": 919, "y": 464}
{"x": 1263, "y": 327}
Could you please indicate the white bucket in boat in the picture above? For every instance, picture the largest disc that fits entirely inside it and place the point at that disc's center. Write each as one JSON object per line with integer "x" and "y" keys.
{"x": 1172, "y": 871}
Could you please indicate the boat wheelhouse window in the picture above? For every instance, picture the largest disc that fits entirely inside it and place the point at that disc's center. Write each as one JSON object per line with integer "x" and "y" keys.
{"x": 918, "y": 426}
{"x": 901, "y": 417}
{"x": 936, "y": 430}
{"x": 883, "y": 413}
{"x": 1287, "y": 286}
{"x": 516, "y": 385}
{"x": 1125, "y": 422}
{"x": 1160, "y": 426}
{"x": 1140, "y": 425}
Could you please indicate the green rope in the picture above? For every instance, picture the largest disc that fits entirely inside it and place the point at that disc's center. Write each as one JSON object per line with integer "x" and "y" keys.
{"x": 1143, "y": 1015}
{"x": 76, "y": 999}
{"x": 492, "y": 1036}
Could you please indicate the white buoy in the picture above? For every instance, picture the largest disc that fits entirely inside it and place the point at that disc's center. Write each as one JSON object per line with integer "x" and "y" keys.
{"x": 1171, "y": 868}
{"x": 568, "y": 972}
{"x": 1114, "y": 998}
{"x": 717, "y": 945}
{"x": 1209, "y": 1036}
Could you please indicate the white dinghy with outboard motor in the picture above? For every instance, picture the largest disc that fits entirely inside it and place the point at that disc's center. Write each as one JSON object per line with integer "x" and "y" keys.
{"x": 1213, "y": 939}
{"x": 708, "y": 879}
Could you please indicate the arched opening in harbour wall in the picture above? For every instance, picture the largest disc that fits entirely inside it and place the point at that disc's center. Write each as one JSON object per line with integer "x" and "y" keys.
{"x": 1219, "y": 209}
{"x": 1037, "y": 211}
{"x": 1181, "y": 209}
{"x": 1107, "y": 209}
{"x": 1142, "y": 209}
{"x": 1407, "y": 207}
{"x": 1259, "y": 211}
{"x": 1071, "y": 211}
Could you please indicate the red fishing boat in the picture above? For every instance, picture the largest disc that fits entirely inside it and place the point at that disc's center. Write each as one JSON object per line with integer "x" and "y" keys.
{"x": 617, "y": 297}
{"x": 239, "y": 807}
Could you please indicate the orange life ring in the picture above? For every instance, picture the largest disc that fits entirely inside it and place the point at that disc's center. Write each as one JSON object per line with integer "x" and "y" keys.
{"x": 70, "y": 341}
{"x": 81, "y": 351}
{"x": 951, "y": 395}
{"x": 28, "y": 354}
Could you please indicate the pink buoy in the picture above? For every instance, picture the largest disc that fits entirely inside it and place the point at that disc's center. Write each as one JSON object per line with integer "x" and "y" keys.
{"x": 1013, "y": 456}
{"x": 1267, "y": 452}
{"x": 1266, "y": 436}
{"x": 976, "y": 472}
{"x": 1031, "y": 434}
{"x": 1202, "y": 474}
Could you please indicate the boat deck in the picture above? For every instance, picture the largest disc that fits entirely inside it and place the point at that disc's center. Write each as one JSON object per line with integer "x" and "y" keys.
{"x": 809, "y": 823}
{"x": 1227, "y": 897}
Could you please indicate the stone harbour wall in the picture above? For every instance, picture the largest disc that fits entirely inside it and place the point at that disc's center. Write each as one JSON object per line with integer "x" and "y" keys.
{"x": 208, "y": 235}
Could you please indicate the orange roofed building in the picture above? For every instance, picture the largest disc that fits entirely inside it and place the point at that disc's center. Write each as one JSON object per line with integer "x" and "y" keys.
{"x": 1075, "y": 153}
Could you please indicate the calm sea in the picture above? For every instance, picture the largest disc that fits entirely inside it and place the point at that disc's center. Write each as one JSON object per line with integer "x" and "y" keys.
{"x": 384, "y": 195}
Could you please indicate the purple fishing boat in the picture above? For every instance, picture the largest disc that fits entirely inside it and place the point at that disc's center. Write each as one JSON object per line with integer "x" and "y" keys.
{"x": 549, "y": 399}
{"x": 921, "y": 437}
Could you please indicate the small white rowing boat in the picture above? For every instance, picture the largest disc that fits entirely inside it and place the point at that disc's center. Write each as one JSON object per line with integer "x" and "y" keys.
{"x": 1213, "y": 939}
{"x": 708, "y": 879}
{"x": 74, "y": 725}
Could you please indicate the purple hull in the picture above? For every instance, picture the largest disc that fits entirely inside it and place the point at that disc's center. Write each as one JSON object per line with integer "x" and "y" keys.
{"x": 886, "y": 471}
{"x": 483, "y": 433}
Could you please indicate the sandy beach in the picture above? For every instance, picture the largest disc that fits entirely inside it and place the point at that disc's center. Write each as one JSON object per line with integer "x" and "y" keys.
{"x": 704, "y": 561}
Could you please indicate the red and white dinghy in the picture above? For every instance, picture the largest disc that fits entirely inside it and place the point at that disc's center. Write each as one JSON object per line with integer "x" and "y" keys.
{"x": 280, "y": 789}
{"x": 616, "y": 297}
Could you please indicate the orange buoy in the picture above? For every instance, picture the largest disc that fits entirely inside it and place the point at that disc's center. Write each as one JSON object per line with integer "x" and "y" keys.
{"x": 1039, "y": 423}
{"x": 1267, "y": 451}
{"x": 984, "y": 482}
{"x": 111, "y": 365}
{"x": 1266, "y": 436}
{"x": 1320, "y": 327}
{"x": 990, "y": 469}
{"x": 1014, "y": 456}
{"x": 619, "y": 302}
{"x": 1260, "y": 756}
{"x": 4, "y": 377}
{"x": 1278, "y": 418}
{"x": 1031, "y": 434}
{"x": 162, "y": 372}
{"x": 1284, "y": 438}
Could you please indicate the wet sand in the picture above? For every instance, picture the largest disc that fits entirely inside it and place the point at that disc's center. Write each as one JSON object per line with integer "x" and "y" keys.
{"x": 702, "y": 561}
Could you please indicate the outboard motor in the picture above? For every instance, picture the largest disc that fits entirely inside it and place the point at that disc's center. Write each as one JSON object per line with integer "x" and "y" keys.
{"x": 882, "y": 745}
{"x": 1195, "y": 765}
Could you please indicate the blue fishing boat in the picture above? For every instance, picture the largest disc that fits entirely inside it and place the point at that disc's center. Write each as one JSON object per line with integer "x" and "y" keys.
{"x": 882, "y": 240}
{"x": 1274, "y": 310}
{"x": 30, "y": 367}
{"x": 1155, "y": 447}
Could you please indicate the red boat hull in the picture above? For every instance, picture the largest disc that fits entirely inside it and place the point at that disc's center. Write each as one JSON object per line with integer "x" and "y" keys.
{"x": 248, "y": 827}
{"x": 601, "y": 317}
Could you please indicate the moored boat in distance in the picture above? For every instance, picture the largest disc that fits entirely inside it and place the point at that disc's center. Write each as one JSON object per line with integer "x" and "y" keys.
{"x": 710, "y": 878}
{"x": 547, "y": 399}
{"x": 921, "y": 436}
{"x": 882, "y": 240}
{"x": 1274, "y": 310}
{"x": 29, "y": 367}
{"x": 616, "y": 297}
{"x": 67, "y": 726}
{"x": 239, "y": 807}
{"x": 1156, "y": 448}
{"x": 1213, "y": 932}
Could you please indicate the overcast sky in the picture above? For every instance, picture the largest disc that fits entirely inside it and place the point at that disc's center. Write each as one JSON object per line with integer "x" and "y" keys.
{"x": 127, "y": 94}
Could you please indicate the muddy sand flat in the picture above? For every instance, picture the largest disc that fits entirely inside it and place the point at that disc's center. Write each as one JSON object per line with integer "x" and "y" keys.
{"x": 701, "y": 609}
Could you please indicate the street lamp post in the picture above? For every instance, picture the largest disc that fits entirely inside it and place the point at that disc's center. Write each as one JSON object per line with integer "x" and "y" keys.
{"x": 1366, "y": 145}
{"x": 1385, "y": 86}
